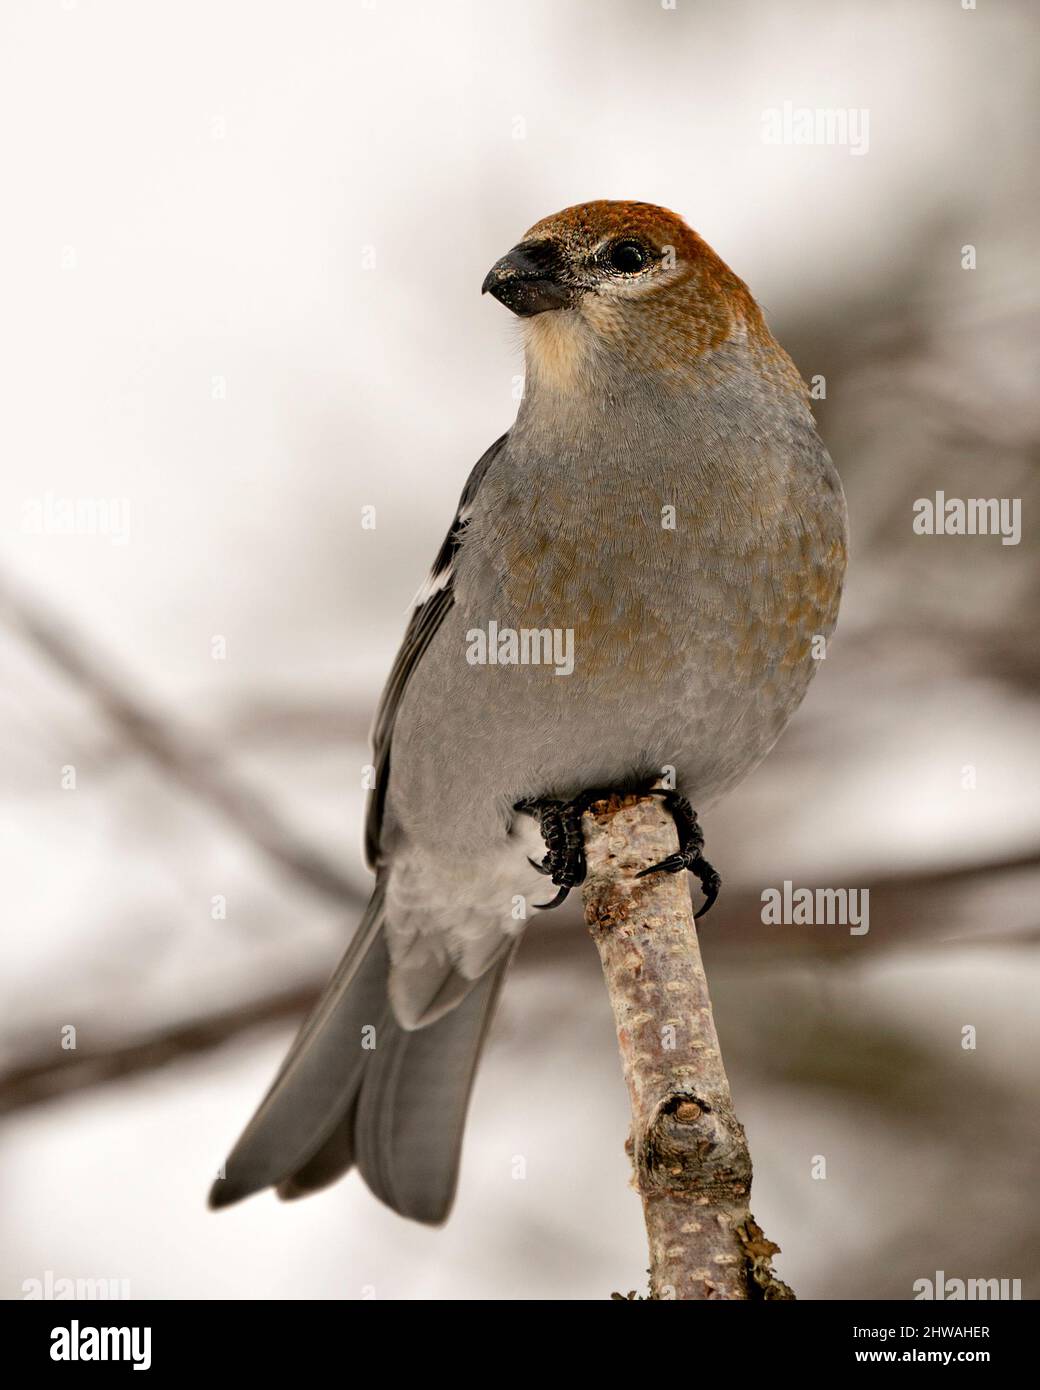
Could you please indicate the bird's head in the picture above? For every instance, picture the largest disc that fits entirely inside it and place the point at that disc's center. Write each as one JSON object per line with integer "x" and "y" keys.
{"x": 622, "y": 283}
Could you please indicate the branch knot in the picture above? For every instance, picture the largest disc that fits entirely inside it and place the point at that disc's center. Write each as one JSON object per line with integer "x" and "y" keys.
{"x": 694, "y": 1146}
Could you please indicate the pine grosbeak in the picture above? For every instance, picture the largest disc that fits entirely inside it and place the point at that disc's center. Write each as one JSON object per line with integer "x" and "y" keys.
{"x": 633, "y": 583}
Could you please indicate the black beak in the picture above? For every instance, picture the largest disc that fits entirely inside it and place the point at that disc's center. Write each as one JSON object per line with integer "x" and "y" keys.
{"x": 529, "y": 279}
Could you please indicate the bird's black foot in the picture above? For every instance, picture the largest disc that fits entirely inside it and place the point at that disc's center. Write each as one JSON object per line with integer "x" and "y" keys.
{"x": 560, "y": 824}
{"x": 690, "y": 855}
{"x": 564, "y": 861}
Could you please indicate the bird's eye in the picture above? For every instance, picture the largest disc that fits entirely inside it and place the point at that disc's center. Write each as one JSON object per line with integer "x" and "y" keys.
{"x": 627, "y": 257}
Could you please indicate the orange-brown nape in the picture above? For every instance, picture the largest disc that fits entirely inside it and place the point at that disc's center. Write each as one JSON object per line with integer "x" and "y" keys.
{"x": 660, "y": 307}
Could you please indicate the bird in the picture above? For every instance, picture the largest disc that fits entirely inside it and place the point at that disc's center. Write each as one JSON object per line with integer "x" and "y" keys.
{"x": 637, "y": 587}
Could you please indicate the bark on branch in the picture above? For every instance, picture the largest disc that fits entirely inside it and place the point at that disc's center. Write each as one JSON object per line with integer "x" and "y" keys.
{"x": 690, "y": 1157}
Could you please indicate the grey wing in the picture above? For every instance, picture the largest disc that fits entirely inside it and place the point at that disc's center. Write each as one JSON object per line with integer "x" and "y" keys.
{"x": 435, "y": 599}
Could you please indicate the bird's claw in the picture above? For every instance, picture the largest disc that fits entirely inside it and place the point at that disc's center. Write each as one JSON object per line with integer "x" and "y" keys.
{"x": 691, "y": 843}
{"x": 560, "y": 824}
{"x": 554, "y": 902}
{"x": 672, "y": 865}
{"x": 564, "y": 862}
{"x": 710, "y": 885}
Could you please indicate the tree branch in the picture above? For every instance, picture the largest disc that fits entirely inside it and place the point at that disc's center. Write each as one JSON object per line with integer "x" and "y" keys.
{"x": 912, "y": 900}
{"x": 691, "y": 1161}
{"x": 56, "y": 1073}
{"x": 181, "y": 753}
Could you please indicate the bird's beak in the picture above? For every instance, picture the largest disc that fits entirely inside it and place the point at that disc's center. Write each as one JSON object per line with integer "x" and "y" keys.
{"x": 530, "y": 279}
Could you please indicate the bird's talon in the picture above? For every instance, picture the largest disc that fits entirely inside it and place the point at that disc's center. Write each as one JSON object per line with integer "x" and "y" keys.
{"x": 544, "y": 907}
{"x": 672, "y": 865}
{"x": 564, "y": 862}
{"x": 691, "y": 843}
{"x": 706, "y": 906}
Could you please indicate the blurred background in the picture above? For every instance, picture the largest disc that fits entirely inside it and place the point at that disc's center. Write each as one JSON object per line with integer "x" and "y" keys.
{"x": 240, "y": 271}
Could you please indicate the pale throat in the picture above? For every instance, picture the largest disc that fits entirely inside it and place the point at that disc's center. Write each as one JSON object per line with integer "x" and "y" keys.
{"x": 559, "y": 352}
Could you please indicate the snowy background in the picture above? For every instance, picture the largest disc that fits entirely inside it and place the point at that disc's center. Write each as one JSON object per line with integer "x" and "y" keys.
{"x": 241, "y": 258}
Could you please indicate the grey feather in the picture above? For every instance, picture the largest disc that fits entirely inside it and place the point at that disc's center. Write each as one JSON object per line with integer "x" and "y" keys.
{"x": 396, "y": 1109}
{"x": 333, "y": 1159}
{"x": 320, "y": 1078}
{"x": 425, "y": 620}
{"x": 306, "y": 1130}
{"x": 412, "y": 1110}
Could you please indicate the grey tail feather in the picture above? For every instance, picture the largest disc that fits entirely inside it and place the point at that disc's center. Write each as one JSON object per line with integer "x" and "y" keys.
{"x": 404, "y": 1129}
{"x": 412, "y": 1109}
{"x": 397, "y": 1110}
{"x": 319, "y": 1079}
{"x": 333, "y": 1159}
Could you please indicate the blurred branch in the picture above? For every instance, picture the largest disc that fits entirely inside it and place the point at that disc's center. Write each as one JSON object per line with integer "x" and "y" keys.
{"x": 57, "y": 1073}
{"x": 180, "y": 753}
{"x": 1007, "y": 653}
{"x": 689, "y": 1152}
{"x": 913, "y": 912}
{"x": 915, "y": 909}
